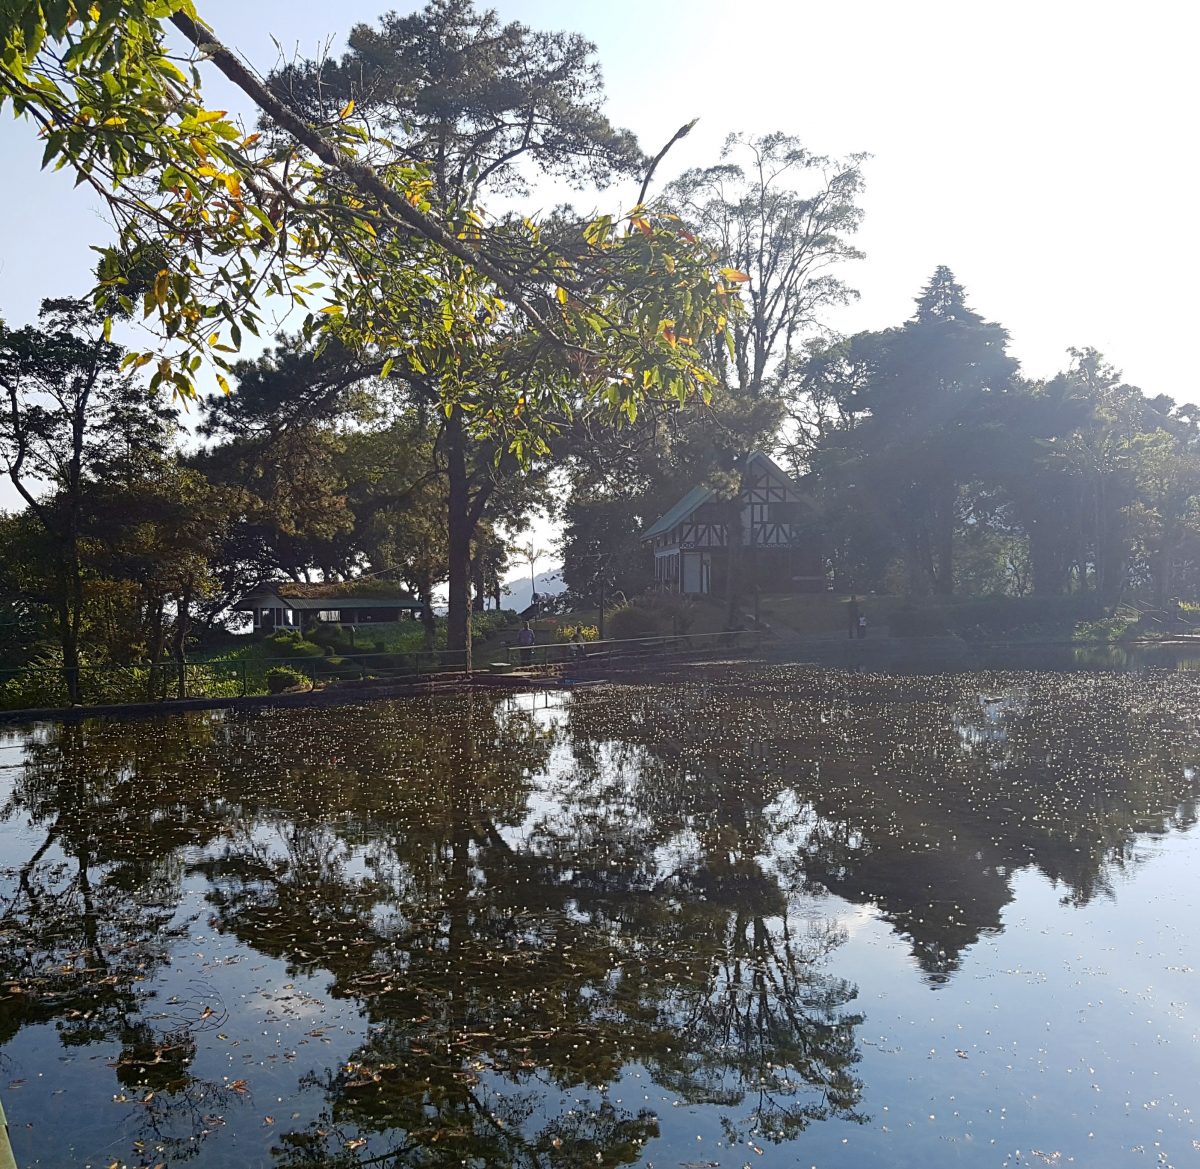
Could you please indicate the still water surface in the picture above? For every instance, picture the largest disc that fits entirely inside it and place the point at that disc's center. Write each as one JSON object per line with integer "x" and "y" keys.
{"x": 787, "y": 917}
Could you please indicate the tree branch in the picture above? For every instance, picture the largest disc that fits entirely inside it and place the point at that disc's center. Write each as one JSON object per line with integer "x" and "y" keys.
{"x": 362, "y": 175}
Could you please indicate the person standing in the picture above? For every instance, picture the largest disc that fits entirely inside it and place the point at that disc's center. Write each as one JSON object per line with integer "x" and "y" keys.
{"x": 526, "y": 639}
{"x": 852, "y": 616}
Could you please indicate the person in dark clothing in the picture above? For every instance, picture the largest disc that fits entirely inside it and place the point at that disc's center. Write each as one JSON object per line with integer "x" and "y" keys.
{"x": 852, "y": 615}
{"x": 526, "y": 639}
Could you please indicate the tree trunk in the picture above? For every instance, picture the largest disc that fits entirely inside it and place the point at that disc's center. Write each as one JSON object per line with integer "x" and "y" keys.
{"x": 157, "y": 643}
{"x": 735, "y": 544}
{"x": 74, "y": 570}
{"x": 480, "y": 589}
{"x": 917, "y": 560}
{"x": 458, "y": 618}
{"x": 68, "y": 636}
{"x": 182, "y": 624}
{"x": 943, "y": 541}
{"x": 1047, "y": 560}
{"x": 1162, "y": 565}
{"x": 425, "y": 596}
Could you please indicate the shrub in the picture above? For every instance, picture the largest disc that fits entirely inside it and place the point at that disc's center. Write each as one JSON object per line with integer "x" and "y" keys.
{"x": 39, "y": 684}
{"x": 490, "y": 622}
{"x": 281, "y": 678}
{"x": 291, "y": 643}
{"x": 339, "y": 639}
{"x": 327, "y": 635}
{"x": 400, "y": 663}
{"x": 1109, "y": 629}
{"x": 674, "y": 612}
{"x": 335, "y": 666}
{"x": 587, "y": 632}
{"x": 631, "y": 621}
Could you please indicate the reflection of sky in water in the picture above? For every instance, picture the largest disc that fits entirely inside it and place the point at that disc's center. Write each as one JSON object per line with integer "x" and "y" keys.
{"x": 1000, "y": 878}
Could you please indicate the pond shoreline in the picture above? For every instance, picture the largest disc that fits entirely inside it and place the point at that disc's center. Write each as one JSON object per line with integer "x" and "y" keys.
{"x": 879, "y": 653}
{"x": 329, "y": 696}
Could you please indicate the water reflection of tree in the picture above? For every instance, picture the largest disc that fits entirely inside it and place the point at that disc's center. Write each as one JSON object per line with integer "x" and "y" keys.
{"x": 90, "y": 914}
{"x": 527, "y": 913}
{"x": 921, "y": 796}
{"x": 507, "y": 956}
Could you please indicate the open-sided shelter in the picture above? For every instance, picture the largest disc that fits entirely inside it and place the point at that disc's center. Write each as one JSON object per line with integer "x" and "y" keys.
{"x": 289, "y": 604}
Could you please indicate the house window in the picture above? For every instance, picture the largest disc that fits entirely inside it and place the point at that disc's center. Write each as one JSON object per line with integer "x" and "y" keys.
{"x": 333, "y": 616}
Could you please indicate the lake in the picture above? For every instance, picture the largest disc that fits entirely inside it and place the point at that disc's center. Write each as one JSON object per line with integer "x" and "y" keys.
{"x": 774, "y": 916}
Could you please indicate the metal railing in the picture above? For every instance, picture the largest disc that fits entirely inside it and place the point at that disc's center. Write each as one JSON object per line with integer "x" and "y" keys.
{"x": 631, "y": 648}
{"x": 45, "y": 687}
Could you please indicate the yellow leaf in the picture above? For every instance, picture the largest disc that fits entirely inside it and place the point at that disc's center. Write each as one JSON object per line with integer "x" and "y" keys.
{"x": 162, "y": 284}
{"x": 210, "y": 116}
{"x": 250, "y": 140}
{"x": 561, "y": 293}
{"x": 734, "y": 276}
{"x": 233, "y": 184}
{"x": 223, "y": 384}
{"x": 347, "y": 109}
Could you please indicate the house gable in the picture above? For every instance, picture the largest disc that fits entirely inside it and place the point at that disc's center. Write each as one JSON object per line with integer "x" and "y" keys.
{"x": 776, "y": 512}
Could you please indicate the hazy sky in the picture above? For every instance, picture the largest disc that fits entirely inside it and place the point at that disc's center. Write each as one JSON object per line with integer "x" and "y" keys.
{"x": 1044, "y": 151}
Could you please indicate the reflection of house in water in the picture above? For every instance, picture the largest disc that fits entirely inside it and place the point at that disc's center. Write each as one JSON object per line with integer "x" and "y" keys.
{"x": 289, "y": 604}
{"x": 780, "y": 546}
{"x": 872, "y": 800}
{"x": 941, "y": 899}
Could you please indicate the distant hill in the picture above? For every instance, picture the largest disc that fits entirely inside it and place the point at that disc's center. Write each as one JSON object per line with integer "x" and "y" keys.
{"x": 516, "y": 593}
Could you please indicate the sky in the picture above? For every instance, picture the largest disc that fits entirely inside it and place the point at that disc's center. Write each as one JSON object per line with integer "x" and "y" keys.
{"x": 1044, "y": 151}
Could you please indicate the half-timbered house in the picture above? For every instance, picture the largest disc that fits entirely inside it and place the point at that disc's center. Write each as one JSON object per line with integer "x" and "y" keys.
{"x": 780, "y": 547}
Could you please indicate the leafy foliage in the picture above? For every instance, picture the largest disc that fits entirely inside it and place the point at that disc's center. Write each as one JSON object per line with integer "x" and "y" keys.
{"x": 330, "y": 211}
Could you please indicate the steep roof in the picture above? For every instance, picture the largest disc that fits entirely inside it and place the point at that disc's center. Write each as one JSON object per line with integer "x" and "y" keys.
{"x": 341, "y": 590}
{"x": 347, "y": 594}
{"x": 699, "y": 495}
{"x": 688, "y": 504}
